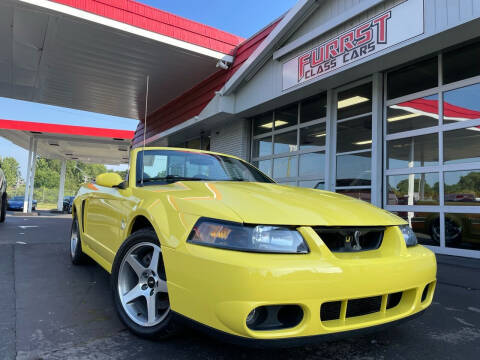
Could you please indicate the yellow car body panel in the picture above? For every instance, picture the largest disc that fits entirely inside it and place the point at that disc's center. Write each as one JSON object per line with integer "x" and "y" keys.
{"x": 219, "y": 287}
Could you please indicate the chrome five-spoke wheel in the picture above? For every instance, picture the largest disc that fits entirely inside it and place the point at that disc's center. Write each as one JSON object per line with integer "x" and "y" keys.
{"x": 142, "y": 285}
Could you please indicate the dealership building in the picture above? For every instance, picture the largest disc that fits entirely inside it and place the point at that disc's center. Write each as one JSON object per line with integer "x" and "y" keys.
{"x": 378, "y": 100}
{"x": 375, "y": 99}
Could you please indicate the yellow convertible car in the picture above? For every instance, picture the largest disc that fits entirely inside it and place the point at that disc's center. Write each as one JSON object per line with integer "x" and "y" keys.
{"x": 205, "y": 237}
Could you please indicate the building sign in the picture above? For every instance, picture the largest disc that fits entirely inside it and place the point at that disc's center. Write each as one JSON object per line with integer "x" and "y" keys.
{"x": 384, "y": 30}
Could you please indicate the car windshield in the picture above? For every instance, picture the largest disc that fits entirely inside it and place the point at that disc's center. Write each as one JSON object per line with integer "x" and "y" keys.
{"x": 166, "y": 166}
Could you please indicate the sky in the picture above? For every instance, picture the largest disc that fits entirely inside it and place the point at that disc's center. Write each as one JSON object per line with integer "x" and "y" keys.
{"x": 240, "y": 17}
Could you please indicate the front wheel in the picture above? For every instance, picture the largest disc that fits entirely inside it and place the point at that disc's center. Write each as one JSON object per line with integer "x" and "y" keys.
{"x": 139, "y": 286}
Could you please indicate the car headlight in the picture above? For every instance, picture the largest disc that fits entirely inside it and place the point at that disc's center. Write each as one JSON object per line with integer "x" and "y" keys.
{"x": 235, "y": 236}
{"x": 408, "y": 235}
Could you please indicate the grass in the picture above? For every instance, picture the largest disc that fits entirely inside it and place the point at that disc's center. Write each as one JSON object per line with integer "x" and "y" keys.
{"x": 46, "y": 206}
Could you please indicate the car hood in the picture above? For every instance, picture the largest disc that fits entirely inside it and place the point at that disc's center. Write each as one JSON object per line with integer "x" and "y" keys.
{"x": 263, "y": 203}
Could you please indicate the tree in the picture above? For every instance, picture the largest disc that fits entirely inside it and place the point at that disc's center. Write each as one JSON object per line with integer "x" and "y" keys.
{"x": 11, "y": 168}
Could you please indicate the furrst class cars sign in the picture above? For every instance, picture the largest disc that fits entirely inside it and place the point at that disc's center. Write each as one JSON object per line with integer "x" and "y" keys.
{"x": 384, "y": 30}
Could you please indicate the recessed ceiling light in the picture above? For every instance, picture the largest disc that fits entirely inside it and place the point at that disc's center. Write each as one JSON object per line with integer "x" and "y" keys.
{"x": 278, "y": 123}
{"x": 351, "y": 101}
{"x": 320, "y": 135}
{"x": 403, "y": 117}
{"x": 365, "y": 142}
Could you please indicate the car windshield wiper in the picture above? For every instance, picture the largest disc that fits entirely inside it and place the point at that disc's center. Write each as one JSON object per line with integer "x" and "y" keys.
{"x": 173, "y": 178}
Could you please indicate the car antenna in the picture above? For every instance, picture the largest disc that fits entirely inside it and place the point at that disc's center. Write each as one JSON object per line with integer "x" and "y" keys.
{"x": 145, "y": 125}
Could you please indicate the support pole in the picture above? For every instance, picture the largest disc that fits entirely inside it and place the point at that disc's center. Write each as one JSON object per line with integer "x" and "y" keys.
{"x": 32, "y": 175}
{"x": 27, "y": 179}
{"x": 61, "y": 188}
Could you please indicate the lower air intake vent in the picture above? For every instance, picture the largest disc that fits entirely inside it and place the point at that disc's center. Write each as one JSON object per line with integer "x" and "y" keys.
{"x": 364, "y": 306}
{"x": 351, "y": 239}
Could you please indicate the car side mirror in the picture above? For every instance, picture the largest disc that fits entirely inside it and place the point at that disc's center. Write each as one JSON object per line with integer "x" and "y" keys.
{"x": 109, "y": 180}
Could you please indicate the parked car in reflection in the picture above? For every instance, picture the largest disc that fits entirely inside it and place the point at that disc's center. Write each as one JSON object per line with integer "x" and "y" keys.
{"x": 67, "y": 204}
{"x": 16, "y": 203}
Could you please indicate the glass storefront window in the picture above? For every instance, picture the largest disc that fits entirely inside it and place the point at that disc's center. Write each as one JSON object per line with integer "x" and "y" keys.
{"x": 354, "y": 134}
{"x": 361, "y": 194}
{"x": 413, "y": 114}
{"x": 262, "y": 147}
{"x": 461, "y": 104}
{"x": 353, "y": 102}
{"x": 413, "y": 151}
{"x": 314, "y": 108}
{"x": 354, "y": 169}
{"x": 461, "y": 146}
{"x": 264, "y": 166}
{"x": 462, "y": 231}
{"x": 285, "y": 142}
{"x": 313, "y": 137}
{"x": 285, "y": 167}
{"x": 426, "y": 226}
{"x": 262, "y": 123}
{"x": 312, "y": 164}
{"x": 413, "y": 189}
{"x": 413, "y": 78}
{"x": 462, "y": 63}
{"x": 462, "y": 188}
{"x": 312, "y": 184}
{"x": 285, "y": 117}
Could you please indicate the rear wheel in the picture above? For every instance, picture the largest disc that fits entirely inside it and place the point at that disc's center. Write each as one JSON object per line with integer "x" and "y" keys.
{"x": 76, "y": 253}
{"x": 139, "y": 286}
{"x": 3, "y": 208}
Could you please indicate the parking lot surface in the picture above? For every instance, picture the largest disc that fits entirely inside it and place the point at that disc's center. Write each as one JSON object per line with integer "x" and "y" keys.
{"x": 50, "y": 309}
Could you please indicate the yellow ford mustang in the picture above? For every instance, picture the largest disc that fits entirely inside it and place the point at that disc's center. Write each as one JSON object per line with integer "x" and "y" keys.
{"x": 207, "y": 237}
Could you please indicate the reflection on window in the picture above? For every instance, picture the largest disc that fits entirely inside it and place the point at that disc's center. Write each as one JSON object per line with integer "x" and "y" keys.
{"x": 461, "y": 63}
{"x": 263, "y": 123}
{"x": 460, "y": 146}
{"x": 287, "y": 116}
{"x": 312, "y": 164}
{"x": 426, "y": 226}
{"x": 354, "y": 135}
{"x": 462, "y": 231}
{"x": 413, "y": 151}
{"x": 313, "y": 184}
{"x": 413, "y": 189}
{"x": 354, "y": 169}
{"x": 262, "y": 147}
{"x": 462, "y": 187}
{"x": 285, "y": 142}
{"x": 461, "y": 104}
{"x": 413, "y": 114}
{"x": 313, "y": 108}
{"x": 354, "y": 101}
{"x": 361, "y": 194}
{"x": 419, "y": 76}
{"x": 312, "y": 137}
{"x": 285, "y": 167}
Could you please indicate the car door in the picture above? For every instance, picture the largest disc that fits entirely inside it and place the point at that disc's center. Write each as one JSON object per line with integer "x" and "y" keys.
{"x": 105, "y": 218}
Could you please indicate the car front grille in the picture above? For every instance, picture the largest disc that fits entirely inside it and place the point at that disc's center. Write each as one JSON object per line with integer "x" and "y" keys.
{"x": 351, "y": 239}
{"x": 358, "y": 307}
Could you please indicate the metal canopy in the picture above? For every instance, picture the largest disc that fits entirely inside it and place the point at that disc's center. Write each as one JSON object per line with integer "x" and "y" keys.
{"x": 86, "y": 144}
{"x": 58, "y": 55}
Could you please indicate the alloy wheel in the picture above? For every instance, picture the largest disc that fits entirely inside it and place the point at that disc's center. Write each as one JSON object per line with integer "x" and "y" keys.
{"x": 142, "y": 285}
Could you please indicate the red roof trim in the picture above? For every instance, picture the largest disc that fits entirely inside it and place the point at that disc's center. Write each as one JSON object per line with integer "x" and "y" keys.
{"x": 65, "y": 129}
{"x": 160, "y": 22}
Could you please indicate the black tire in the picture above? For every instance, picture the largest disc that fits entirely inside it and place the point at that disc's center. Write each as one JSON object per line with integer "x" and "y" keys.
{"x": 453, "y": 231}
{"x": 3, "y": 209}
{"x": 169, "y": 325}
{"x": 76, "y": 254}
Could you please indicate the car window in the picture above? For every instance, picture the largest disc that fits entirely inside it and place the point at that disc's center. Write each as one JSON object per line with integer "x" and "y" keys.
{"x": 162, "y": 164}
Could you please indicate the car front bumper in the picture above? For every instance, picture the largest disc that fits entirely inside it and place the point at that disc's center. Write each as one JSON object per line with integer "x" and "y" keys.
{"x": 219, "y": 288}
